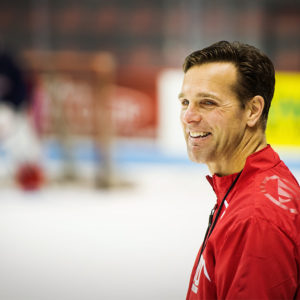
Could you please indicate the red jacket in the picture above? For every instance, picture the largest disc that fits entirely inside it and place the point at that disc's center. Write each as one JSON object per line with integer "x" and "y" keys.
{"x": 254, "y": 249}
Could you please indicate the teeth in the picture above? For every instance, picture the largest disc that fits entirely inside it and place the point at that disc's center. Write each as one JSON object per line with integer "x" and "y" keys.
{"x": 195, "y": 134}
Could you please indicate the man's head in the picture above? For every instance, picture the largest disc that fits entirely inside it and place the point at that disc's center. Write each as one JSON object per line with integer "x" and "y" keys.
{"x": 256, "y": 75}
{"x": 225, "y": 99}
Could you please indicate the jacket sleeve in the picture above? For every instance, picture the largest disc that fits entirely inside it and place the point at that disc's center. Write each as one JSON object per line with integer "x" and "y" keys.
{"x": 256, "y": 261}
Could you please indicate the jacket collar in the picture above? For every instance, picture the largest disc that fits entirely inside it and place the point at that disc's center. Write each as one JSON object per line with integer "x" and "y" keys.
{"x": 258, "y": 161}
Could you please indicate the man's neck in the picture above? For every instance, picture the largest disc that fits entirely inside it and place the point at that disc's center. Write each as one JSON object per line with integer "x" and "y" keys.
{"x": 235, "y": 162}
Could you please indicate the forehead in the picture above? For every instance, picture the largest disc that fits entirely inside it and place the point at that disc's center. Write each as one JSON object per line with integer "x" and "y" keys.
{"x": 216, "y": 78}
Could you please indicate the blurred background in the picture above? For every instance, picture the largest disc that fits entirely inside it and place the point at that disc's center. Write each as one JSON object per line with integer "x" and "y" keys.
{"x": 98, "y": 199}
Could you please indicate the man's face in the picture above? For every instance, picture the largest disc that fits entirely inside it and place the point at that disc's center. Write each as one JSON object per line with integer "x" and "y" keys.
{"x": 211, "y": 115}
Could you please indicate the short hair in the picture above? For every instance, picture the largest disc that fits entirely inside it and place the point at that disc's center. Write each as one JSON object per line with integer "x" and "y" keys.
{"x": 256, "y": 74}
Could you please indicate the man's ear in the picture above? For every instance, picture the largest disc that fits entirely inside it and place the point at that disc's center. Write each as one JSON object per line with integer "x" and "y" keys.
{"x": 255, "y": 108}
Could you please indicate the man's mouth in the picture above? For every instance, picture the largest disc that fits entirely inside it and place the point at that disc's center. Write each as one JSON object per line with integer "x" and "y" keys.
{"x": 199, "y": 134}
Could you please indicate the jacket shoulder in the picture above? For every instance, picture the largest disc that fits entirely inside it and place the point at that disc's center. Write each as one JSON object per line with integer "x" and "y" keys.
{"x": 275, "y": 197}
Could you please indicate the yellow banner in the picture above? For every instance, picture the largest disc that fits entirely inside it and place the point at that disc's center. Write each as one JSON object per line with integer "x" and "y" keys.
{"x": 283, "y": 127}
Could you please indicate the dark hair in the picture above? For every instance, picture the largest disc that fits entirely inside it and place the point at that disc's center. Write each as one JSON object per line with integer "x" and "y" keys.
{"x": 256, "y": 74}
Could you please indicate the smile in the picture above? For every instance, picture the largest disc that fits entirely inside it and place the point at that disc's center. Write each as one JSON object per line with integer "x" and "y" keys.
{"x": 198, "y": 134}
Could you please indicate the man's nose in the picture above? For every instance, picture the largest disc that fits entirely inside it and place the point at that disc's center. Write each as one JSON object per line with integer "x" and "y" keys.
{"x": 191, "y": 114}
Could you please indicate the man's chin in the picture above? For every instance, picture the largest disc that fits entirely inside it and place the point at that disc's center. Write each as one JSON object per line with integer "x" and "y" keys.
{"x": 197, "y": 158}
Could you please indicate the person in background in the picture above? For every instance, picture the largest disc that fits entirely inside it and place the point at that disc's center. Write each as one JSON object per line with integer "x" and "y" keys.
{"x": 17, "y": 134}
{"x": 251, "y": 249}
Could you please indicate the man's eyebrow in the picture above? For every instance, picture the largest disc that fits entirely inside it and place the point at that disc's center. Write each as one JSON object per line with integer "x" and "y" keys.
{"x": 181, "y": 95}
{"x": 201, "y": 95}
{"x": 207, "y": 95}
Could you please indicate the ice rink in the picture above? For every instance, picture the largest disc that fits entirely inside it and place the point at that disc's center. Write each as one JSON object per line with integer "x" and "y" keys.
{"x": 133, "y": 242}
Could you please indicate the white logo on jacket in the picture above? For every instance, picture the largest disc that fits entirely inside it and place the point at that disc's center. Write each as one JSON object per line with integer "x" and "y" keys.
{"x": 201, "y": 266}
{"x": 281, "y": 192}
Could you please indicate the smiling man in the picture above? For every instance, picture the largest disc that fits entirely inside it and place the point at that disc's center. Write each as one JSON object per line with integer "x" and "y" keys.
{"x": 251, "y": 249}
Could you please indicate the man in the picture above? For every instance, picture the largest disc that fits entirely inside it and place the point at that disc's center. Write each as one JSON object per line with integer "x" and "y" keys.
{"x": 252, "y": 246}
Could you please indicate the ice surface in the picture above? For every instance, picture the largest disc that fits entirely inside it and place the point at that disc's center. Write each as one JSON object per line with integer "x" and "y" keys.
{"x": 135, "y": 242}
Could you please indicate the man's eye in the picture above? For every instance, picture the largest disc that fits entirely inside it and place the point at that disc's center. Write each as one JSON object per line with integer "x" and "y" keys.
{"x": 208, "y": 102}
{"x": 184, "y": 102}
